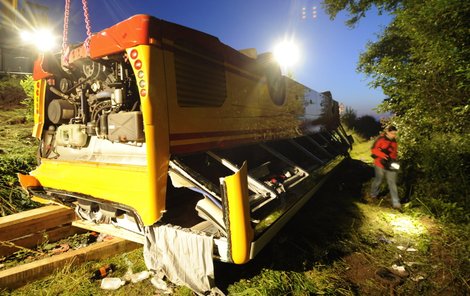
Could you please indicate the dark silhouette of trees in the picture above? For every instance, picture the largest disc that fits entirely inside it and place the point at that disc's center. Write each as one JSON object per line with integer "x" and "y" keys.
{"x": 349, "y": 117}
{"x": 367, "y": 126}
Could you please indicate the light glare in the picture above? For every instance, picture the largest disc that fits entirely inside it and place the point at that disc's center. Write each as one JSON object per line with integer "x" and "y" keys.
{"x": 25, "y": 36}
{"x": 406, "y": 225}
{"x": 43, "y": 39}
{"x": 286, "y": 53}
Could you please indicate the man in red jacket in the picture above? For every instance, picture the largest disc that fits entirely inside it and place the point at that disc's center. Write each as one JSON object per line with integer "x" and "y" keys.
{"x": 385, "y": 153}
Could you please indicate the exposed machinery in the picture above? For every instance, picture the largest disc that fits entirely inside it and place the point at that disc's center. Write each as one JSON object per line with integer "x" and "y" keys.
{"x": 169, "y": 133}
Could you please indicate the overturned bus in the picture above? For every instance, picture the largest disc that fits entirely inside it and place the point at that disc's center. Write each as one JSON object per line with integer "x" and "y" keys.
{"x": 168, "y": 133}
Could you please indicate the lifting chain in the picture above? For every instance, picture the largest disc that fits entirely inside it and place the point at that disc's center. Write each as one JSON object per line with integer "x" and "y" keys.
{"x": 66, "y": 25}
{"x": 87, "y": 25}
{"x": 65, "y": 47}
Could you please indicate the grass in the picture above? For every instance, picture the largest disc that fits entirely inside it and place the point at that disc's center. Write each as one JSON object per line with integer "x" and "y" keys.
{"x": 17, "y": 154}
{"x": 334, "y": 246}
{"x": 361, "y": 149}
{"x": 15, "y": 132}
{"x": 75, "y": 280}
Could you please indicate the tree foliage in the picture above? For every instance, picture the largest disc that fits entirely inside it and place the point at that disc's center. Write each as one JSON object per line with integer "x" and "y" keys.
{"x": 28, "y": 87}
{"x": 11, "y": 93}
{"x": 421, "y": 61}
{"x": 357, "y": 8}
{"x": 349, "y": 117}
{"x": 365, "y": 126}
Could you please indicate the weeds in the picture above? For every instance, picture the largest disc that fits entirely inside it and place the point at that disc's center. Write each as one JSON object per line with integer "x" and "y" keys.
{"x": 12, "y": 198}
{"x": 75, "y": 280}
{"x": 11, "y": 92}
{"x": 17, "y": 147}
{"x": 273, "y": 282}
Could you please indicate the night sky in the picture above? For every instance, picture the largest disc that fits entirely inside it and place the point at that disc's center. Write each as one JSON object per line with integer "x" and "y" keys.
{"x": 330, "y": 50}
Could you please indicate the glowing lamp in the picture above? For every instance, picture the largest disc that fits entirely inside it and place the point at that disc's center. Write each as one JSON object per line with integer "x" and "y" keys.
{"x": 42, "y": 38}
{"x": 286, "y": 53}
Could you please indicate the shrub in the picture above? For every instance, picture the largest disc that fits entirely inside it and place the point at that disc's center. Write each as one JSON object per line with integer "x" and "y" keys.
{"x": 28, "y": 87}
{"x": 11, "y": 93}
{"x": 367, "y": 126}
{"x": 13, "y": 198}
{"x": 439, "y": 169}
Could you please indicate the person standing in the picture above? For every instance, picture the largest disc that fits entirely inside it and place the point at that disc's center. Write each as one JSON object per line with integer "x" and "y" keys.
{"x": 385, "y": 152}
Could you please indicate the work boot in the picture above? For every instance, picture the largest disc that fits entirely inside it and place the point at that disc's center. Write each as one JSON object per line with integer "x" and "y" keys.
{"x": 369, "y": 198}
{"x": 398, "y": 208}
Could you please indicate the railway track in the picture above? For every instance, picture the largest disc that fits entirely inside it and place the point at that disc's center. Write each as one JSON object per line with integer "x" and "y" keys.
{"x": 52, "y": 223}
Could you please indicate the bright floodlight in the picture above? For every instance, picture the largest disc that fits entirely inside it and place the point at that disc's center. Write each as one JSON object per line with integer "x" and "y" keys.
{"x": 42, "y": 39}
{"x": 25, "y": 36}
{"x": 286, "y": 53}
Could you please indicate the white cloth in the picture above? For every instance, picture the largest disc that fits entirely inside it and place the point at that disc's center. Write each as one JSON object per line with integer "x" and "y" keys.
{"x": 184, "y": 257}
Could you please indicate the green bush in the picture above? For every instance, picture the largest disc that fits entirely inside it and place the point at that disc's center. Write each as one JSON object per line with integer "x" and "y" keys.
{"x": 438, "y": 167}
{"x": 28, "y": 87}
{"x": 12, "y": 198}
{"x": 11, "y": 93}
{"x": 17, "y": 147}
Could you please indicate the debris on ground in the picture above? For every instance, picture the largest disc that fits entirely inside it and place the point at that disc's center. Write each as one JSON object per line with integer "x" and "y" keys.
{"x": 400, "y": 271}
{"x": 103, "y": 271}
{"x": 138, "y": 277}
{"x": 161, "y": 285}
{"x": 387, "y": 276}
{"x": 111, "y": 283}
{"x": 62, "y": 248}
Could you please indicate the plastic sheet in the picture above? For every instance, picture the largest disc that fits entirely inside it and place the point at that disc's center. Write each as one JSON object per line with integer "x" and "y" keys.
{"x": 184, "y": 257}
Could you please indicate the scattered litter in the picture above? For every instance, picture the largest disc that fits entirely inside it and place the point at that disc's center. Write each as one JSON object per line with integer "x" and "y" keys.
{"x": 399, "y": 270}
{"x": 130, "y": 276}
{"x": 104, "y": 237}
{"x": 159, "y": 283}
{"x": 62, "y": 248}
{"x": 92, "y": 237}
{"x": 417, "y": 278}
{"x": 387, "y": 276}
{"x": 402, "y": 248}
{"x": 384, "y": 240}
{"x": 111, "y": 283}
{"x": 103, "y": 271}
{"x": 140, "y": 276}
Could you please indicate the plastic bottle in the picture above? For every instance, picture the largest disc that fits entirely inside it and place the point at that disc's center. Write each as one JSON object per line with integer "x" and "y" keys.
{"x": 103, "y": 272}
{"x": 140, "y": 276}
{"x": 111, "y": 283}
